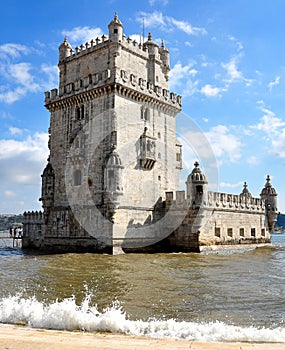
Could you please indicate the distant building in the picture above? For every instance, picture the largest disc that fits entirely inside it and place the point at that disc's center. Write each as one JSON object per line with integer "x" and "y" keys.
{"x": 112, "y": 175}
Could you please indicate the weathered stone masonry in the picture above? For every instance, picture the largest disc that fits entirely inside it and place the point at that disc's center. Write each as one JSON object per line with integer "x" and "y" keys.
{"x": 114, "y": 161}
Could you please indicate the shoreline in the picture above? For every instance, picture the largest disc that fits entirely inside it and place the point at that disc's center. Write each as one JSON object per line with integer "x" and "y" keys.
{"x": 16, "y": 337}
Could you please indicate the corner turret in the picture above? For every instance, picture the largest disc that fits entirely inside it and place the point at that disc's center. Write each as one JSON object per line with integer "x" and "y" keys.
{"x": 113, "y": 182}
{"x": 269, "y": 195}
{"x": 153, "y": 54}
{"x": 245, "y": 192}
{"x": 65, "y": 50}
{"x": 152, "y": 46}
{"x": 115, "y": 29}
{"x": 164, "y": 55}
{"x": 196, "y": 186}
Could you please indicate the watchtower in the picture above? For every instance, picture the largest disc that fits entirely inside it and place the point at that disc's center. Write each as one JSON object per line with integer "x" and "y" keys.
{"x": 113, "y": 146}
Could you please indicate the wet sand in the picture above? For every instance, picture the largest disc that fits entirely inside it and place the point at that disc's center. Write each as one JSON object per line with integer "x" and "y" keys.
{"x": 24, "y": 338}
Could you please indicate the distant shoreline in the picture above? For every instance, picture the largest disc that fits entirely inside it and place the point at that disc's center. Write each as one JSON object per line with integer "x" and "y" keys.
{"x": 26, "y": 338}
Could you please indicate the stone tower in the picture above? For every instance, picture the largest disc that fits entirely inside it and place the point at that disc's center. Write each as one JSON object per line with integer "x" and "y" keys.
{"x": 269, "y": 195}
{"x": 196, "y": 186}
{"x": 113, "y": 146}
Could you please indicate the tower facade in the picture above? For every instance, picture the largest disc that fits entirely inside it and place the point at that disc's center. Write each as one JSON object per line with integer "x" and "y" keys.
{"x": 112, "y": 141}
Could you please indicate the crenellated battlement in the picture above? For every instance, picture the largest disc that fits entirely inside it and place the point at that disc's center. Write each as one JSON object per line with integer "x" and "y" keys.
{"x": 98, "y": 43}
{"x": 33, "y": 217}
{"x": 216, "y": 201}
{"x": 101, "y": 63}
{"x": 234, "y": 201}
{"x": 125, "y": 78}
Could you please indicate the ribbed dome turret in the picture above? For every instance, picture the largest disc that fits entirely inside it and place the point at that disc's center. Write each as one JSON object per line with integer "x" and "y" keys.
{"x": 245, "y": 191}
{"x": 153, "y": 47}
{"x": 48, "y": 171}
{"x": 197, "y": 175}
{"x": 115, "y": 29}
{"x": 65, "y": 50}
{"x": 115, "y": 22}
{"x": 268, "y": 189}
{"x": 269, "y": 195}
{"x": 114, "y": 159}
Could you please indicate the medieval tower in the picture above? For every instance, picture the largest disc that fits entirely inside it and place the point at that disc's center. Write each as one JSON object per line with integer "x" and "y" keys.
{"x": 111, "y": 181}
{"x": 113, "y": 146}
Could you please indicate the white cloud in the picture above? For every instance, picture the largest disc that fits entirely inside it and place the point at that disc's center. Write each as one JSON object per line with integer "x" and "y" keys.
{"x": 230, "y": 185}
{"x": 9, "y": 193}
{"x": 181, "y": 77}
{"x": 167, "y": 23}
{"x": 187, "y": 27}
{"x": 274, "y": 130}
{"x": 18, "y": 80}
{"x": 232, "y": 70}
{"x": 278, "y": 144}
{"x": 15, "y": 131}
{"x": 274, "y": 83}
{"x": 237, "y": 42}
{"x": 20, "y": 73}
{"x": 233, "y": 73}
{"x": 21, "y": 164}
{"x": 226, "y": 145}
{"x": 153, "y": 2}
{"x": 188, "y": 43}
{"x": 210, "y": 91}
{"x": 13, "y": 95}
{"x": 33, "y": 148}
{"x": 52, "y": 76}
{"x": 11, "y": 50}
{"x": 252, "y": 160}
{"x": 269, "y": 123}
{"x": 81, "y": 35}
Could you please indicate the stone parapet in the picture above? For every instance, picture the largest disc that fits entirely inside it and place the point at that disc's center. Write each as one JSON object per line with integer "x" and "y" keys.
{"x": 218, "y": 201}
{"x": 33, "y": 217}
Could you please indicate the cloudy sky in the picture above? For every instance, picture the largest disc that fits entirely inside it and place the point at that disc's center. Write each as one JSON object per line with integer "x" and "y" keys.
{"x": 227, "y": 60}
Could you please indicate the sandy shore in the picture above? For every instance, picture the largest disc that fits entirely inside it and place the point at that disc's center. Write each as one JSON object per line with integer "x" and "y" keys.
{"x": 24, "y": 338}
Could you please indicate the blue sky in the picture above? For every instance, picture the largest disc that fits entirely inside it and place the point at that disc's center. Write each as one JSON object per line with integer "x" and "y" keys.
{"x": 227, "y": 60}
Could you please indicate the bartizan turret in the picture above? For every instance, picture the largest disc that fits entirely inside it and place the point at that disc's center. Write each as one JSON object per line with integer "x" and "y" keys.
{"x": 65, "y": 50}
{"x": 115, "y": 29}
{"x": 164, "y": 55}
{"x": 113, "y": 187}
{"x": 196, "y": 186}
{"x": 269, "y": 195}
{"x": 47, "y": 197}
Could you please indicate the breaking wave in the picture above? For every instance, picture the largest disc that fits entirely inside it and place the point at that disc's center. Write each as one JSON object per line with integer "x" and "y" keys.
{"x": 67, "y": 315}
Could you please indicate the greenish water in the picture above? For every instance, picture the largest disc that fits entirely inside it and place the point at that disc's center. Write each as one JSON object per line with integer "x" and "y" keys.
{"x": 242, "y": 289}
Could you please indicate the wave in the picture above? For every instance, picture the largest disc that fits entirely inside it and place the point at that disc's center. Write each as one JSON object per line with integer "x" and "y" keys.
{"x": 66, "y": 315}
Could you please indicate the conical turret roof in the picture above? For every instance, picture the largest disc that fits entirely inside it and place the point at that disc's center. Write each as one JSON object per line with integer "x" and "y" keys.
{"x": 245, "y": 191}
{"x": 115, "y": 21}
{"x": 268, "y": 189}
{"x": 197, "y": 175}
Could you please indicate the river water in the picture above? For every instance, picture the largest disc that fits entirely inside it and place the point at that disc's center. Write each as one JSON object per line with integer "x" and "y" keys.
{"x": 226, "y": 296}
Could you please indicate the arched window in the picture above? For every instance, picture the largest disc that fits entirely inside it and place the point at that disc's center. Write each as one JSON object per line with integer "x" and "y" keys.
{"x": 147, "y": 114}
{"x": 82, "y": 112}
{"x": 77, "y": 113}
{"x": 77, "y": 178}
{"x": 142, "y": 112}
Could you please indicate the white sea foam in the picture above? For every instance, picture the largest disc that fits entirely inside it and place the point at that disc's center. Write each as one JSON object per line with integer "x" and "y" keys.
{"x": 69, "y": 316}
